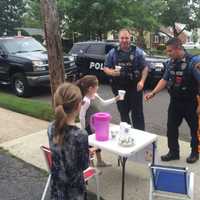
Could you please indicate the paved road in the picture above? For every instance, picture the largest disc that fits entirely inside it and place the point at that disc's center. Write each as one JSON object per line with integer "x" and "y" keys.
{"x": 155, "y": 111}
{"x": 22, "y": 181}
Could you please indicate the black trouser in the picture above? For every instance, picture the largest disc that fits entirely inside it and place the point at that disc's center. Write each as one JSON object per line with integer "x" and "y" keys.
{"x": 177, "y": 111}
{"x": 132, "y": 103}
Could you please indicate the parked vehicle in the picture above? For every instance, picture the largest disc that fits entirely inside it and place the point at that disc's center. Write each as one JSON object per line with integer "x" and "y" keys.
{"x": 90, "y": 56}
{"x": 191, "y": 45}
{"x": 24, "y": 64}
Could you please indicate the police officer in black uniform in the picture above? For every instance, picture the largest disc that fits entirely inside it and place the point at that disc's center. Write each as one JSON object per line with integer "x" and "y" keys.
{"x": 130, "y": 77}
{"x": 182, "y": 77}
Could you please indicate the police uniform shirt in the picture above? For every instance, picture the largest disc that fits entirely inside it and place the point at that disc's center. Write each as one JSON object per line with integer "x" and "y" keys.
{"x": 194, "y": 67}
{"x": 136, "y": 55}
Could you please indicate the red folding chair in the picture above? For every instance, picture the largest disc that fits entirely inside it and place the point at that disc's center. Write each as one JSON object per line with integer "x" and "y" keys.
{"x": 89, "y": 173}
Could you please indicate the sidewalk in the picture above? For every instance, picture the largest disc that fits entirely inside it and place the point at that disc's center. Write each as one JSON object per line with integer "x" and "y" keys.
{"x": 29, "y": 133}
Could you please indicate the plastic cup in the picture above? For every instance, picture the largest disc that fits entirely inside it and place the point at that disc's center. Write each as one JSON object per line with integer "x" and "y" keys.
{"x": 117, "y": 67}
{"x": 121, "y": 94}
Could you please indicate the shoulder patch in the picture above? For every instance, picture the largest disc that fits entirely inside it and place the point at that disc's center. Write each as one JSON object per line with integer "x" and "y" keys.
{"x": 183, "y": 65}
{"x": 197, "y": 66}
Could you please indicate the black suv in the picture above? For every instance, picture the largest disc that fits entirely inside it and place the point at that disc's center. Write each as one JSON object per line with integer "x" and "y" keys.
{"x": 90, "y": 56}
{"x": 24, "y": 63}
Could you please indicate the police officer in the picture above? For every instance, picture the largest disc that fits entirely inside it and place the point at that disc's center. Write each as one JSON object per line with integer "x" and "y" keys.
{"x": 182, "y": 77}
{"x": 128, "y": 70}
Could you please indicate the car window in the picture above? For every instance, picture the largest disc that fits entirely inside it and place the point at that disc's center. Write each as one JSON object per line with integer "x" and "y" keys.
{"x": 1, "y": 51}
{"x": 78, "y": 48}
{"x": 109, "y": 47}
{"x": 23, "y": 45}
{"x": 98, "y": 49}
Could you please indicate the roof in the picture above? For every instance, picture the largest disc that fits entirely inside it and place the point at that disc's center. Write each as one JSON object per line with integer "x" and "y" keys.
{"x": 32, "y": 31}
{"x": 13, "y": 37}
{"x": 97, "y": 42}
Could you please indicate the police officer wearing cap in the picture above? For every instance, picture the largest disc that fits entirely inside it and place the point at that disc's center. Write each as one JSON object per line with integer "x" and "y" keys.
{"x": 182, "y": 77}
{"x": 128, "y": 70}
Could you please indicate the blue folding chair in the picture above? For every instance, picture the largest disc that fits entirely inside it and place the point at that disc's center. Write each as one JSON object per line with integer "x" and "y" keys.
{"x": 171, "y": 182}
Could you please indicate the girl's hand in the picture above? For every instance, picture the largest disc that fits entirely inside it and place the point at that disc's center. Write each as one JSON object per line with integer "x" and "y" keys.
{"x": 117, "y": 98}
{"x": 92, "y": 151}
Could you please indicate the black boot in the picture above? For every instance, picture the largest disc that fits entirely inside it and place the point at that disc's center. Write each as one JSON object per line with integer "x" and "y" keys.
{"x": 170, "y": 156}
{"x": 193, "y": 157}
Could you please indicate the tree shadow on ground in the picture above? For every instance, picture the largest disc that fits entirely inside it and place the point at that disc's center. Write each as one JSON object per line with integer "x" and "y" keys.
{"x": 92, "y": 196}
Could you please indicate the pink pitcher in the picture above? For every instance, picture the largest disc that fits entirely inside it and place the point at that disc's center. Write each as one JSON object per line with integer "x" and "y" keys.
{"x": 100, "y": 123}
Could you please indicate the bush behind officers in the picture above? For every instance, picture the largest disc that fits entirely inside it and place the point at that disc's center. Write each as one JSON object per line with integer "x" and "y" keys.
{"x": 128, "y": 70}
{"x": 182, "y": 77}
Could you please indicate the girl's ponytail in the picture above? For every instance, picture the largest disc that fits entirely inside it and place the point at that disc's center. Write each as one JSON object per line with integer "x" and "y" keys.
{"x": 60, "y": 117}
{"x": 66, "y": 99}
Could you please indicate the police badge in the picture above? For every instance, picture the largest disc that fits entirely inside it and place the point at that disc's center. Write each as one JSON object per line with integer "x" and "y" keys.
{"x": 183, "y": 65}
{"x": 131, "y": 57}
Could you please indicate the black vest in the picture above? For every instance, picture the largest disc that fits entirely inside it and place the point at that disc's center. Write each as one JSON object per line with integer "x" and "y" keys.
{"x": 129, "y": 72}
{"x": 182, "y": 85}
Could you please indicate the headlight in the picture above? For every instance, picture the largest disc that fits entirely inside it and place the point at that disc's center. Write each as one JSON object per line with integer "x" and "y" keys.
{"x": 158, "y": 65}
{"x": 72, "y": 64}
{"x": 38, "y": 65}
{"x": 71, "y": 58}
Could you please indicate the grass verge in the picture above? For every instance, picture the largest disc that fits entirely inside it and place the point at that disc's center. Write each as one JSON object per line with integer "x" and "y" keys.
{"x": 34, "y": 108}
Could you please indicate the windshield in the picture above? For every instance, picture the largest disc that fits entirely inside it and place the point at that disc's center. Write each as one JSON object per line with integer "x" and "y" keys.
{"x": 23, "y": 45}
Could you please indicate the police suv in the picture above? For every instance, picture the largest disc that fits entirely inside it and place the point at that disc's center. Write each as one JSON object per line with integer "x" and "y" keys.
{"x": 24, "y": 63}
{"x": 90, "y": 56}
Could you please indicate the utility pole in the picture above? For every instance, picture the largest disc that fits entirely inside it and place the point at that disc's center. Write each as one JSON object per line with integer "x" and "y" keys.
{"x": 54, "y": 44}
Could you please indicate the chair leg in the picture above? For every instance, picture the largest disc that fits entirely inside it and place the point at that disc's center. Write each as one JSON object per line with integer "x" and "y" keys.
{"x": 46, "y": 187}
{"x": 191, "y": 186}
{"x": 151, "y": 191}
{"x": 97, "y": 186}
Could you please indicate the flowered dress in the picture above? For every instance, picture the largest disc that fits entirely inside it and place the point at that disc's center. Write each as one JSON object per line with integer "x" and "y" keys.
{"x": 69, "y": 161}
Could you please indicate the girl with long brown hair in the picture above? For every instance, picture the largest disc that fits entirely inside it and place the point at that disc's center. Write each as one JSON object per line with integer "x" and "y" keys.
{"x": 69, "y": 146}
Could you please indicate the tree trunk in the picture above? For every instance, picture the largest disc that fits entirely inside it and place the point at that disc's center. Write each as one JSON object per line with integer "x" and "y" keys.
{"x": 175, "y": 31}
{"x": 140, "y": 38}
{"x": 54, "y": 44}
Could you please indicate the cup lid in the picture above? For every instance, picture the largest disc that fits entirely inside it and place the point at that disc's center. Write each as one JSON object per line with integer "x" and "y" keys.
{"x": 102, "y": 115}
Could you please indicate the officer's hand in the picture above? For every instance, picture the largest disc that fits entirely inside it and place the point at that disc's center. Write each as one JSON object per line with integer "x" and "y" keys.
{"x": 115, "y": 72}
{"x": 198, "y": 107}
{"x": 111, "y": 72}
{"x": 140, "y": 86}
{"x": 148, "y": 96}
{"x": 107, "y": 70}
{"x": 198, "y": 110}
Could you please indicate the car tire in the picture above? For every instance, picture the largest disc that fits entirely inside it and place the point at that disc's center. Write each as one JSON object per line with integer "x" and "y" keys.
{"x": 20, "y": 85}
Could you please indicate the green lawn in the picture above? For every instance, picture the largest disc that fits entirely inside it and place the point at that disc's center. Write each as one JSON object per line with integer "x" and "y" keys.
{"x": 34, "y": 108}
{"x": 162, "y": 52}
{"x": 194, "y": 51}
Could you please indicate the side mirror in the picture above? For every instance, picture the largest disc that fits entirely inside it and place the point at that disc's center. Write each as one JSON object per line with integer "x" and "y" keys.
{"x": 2, "y": 53}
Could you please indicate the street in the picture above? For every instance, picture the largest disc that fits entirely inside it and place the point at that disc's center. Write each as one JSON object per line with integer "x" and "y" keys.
{"x": 155, "y": 111}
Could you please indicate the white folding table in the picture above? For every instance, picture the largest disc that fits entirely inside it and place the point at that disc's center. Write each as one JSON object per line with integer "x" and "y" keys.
{"x": 142, "y": 140}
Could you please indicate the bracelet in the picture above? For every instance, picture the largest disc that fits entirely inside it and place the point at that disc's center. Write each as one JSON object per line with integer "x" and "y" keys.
{"x": 153, "y": 93}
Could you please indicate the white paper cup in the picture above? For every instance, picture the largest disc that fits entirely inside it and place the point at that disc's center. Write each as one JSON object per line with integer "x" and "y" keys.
{"x": 117, "y": 67}
{"x": 121, "y": 94}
